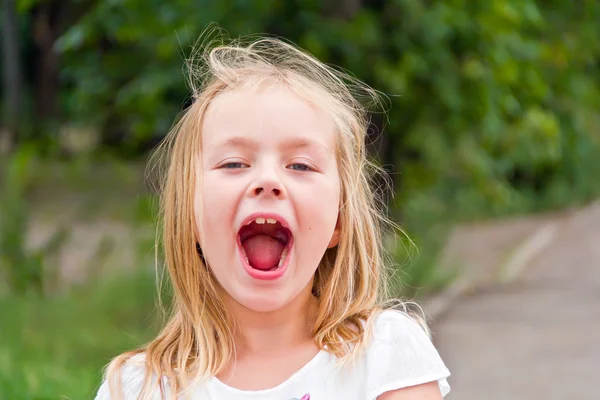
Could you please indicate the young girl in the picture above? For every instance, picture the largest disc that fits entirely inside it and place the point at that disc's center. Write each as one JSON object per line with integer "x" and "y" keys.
{"x": 272, "y": 239}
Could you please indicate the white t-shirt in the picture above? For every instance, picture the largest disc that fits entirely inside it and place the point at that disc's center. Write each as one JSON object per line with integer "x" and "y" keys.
{"x": 399, "y": 355}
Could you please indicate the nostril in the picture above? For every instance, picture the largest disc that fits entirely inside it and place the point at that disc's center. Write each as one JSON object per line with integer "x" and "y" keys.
{"x": 262, "y": 190}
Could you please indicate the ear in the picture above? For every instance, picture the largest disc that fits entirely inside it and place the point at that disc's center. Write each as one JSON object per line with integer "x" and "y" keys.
{"x": 335, "y": 238}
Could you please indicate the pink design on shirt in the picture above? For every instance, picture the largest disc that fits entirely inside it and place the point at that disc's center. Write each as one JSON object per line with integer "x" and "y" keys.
{"x": 305, "y": 397}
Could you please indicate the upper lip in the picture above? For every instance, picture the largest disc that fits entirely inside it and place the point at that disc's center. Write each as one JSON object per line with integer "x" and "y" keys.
{"x": 265, "y": 215}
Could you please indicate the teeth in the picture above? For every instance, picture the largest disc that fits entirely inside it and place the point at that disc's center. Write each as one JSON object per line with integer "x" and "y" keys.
{"x": 261, "y": 221}
{"x": 282, "y": 259}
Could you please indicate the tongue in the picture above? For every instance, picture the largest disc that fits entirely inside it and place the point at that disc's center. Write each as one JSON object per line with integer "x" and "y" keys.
{"x": 263, "y": 251}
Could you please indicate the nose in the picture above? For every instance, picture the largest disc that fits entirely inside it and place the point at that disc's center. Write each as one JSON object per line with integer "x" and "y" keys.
{"x": 268, "y": 184}
{"x": 266, "y": 187}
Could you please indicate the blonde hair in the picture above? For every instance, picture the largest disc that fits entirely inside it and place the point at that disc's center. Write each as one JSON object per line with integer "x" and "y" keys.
{"x": 197, "y": 342}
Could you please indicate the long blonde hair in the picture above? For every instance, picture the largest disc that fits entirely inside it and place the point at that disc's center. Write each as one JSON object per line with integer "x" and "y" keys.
{"x": 197, "y": 342}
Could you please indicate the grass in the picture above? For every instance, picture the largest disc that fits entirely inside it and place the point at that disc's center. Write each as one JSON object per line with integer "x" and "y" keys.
{"x": 56, "y": 348}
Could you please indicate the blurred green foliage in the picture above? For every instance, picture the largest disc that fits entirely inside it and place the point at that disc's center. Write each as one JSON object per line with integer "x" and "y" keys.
{"x": 22, "y": 268}
{"x": 494, "y": 102}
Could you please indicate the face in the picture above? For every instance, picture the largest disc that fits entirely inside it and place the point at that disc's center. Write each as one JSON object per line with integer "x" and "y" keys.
{"x": 267, "y": 206}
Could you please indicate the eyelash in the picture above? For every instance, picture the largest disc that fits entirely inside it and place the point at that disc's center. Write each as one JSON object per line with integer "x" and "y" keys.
{"x": 228, "y": 165}
{"x": 308, "y": 167}
{"x": 239, "y": 165}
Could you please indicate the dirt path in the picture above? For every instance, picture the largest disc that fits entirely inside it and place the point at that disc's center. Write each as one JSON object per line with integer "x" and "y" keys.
{"x": 95, "y": 248}
{"x": 537, "y": 337}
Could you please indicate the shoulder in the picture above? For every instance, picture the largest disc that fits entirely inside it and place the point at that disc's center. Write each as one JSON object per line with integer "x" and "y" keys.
{"x": 398, "y": 327}
{"x": 129, "y": 378}
{"x": 401, "y": 354}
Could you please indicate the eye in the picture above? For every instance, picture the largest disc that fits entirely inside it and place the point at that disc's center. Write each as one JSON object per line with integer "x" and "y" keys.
{"x": 234, "y": 165}
{"x": 300, "y": 167}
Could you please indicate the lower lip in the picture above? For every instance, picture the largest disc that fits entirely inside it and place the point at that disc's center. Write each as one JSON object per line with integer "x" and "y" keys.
{"x": 265, "y": 275}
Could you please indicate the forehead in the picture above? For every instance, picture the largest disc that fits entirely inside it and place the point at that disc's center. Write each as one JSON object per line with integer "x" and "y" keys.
{"x": 267, "y": 115}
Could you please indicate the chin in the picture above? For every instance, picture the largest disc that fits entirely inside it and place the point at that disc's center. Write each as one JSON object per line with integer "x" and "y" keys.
{"x": 263, "y": 302}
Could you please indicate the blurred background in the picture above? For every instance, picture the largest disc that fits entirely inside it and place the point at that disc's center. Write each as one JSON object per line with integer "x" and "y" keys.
{"x": 492, "y": 141}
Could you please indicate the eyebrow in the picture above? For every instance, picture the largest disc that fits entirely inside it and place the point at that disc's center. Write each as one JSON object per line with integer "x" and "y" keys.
{"x": 236, "y": 141}
{"x": 289, "y": 143}
{"x": 301, "y": 143}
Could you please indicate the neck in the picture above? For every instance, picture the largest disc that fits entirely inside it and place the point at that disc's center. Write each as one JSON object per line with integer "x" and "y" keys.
{"x": 269, "y": 332}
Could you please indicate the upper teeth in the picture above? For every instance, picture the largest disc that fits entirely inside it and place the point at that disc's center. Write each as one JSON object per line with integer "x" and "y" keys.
{"x": 263, "y": 220}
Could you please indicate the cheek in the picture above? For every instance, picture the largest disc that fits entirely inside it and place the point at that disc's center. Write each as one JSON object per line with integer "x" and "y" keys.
{"x": 215, "y": 195}
{"x": 215, "y": 202}
{"x": 322, "y": 211}
{"x": 212, "y": 206}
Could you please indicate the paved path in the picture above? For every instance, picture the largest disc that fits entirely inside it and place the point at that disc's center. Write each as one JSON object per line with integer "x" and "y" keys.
{"x": 537, "y": 337}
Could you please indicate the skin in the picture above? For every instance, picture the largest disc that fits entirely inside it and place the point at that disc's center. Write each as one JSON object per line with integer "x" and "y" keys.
{"x": 268, "y": 150}
{"x": 427, "y": 391}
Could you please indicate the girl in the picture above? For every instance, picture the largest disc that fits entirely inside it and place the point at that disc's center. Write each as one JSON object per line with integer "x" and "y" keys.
{"x": 272, "y": 239}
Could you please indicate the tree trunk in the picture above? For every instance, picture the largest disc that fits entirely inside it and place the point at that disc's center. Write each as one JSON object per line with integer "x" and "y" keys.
{"x": 12, "y": 76}
{"x": 50, "y": 20}
{"x": 46, "y": 73}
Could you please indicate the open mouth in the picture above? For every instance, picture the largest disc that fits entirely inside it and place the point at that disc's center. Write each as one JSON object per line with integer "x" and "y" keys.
{"x": 265, "y": 244}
